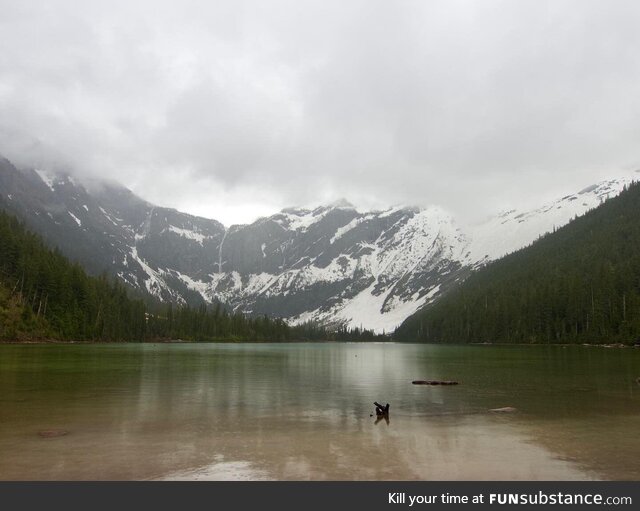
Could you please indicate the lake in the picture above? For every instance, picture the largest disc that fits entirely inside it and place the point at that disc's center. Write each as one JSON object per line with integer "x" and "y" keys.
{"x": 303, "y": 411}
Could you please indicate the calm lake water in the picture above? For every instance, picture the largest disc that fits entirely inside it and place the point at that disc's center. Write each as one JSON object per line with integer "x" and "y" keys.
{"x": 302, "y": 411}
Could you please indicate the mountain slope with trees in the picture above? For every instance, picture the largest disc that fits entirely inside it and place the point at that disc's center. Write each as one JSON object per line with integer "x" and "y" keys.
{"x": 580, "y": 283}
{"x": 45, "y": 296}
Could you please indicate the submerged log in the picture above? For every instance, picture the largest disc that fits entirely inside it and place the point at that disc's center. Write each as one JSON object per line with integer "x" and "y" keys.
{"x": 435, "y": 382}
{"x": 381, "y": 410}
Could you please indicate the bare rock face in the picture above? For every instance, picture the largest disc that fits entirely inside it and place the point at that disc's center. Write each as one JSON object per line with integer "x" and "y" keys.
{"x": 52, "y": 433}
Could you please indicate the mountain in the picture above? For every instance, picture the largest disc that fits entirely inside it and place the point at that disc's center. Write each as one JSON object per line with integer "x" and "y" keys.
{"x": 106, "y": 227}
{"x": 577, "y": 284}
{"x": 44, "y": 296}
{"x": 334, "y": 264}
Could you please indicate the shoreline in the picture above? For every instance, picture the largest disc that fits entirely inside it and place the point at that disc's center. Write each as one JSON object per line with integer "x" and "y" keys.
{"x": 390, "y": 341}
{"x": 167, "y": 341}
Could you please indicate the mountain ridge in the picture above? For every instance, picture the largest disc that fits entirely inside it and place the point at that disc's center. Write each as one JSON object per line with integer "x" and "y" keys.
{"x": 334, "y": 264}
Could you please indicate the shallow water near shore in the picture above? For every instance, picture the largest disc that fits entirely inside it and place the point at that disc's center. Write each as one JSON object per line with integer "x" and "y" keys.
{"x": 303, "y": 411}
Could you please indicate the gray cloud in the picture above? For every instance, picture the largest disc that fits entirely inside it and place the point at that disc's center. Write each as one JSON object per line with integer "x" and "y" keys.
{"x": 235, "y": 109}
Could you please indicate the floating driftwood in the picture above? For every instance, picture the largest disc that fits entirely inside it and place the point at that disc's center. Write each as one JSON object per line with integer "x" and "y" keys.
{"x": 381, "y": 410}
{"x": 435, "y": 382}
{"x": 52, "y": 433}
{"x": 504, "y": 409}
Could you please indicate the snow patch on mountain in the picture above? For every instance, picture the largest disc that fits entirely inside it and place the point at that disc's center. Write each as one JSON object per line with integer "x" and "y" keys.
{"x": 424, "y": 233}
{"x": 187, "y": 233}
{"x": 341, "y": 268}
{"x": 390, "y": 211}
{"x": 350, "y": 226}
{"x": 196, "y": 285}
{"x": 300, "y": 219}
{"x": 258, "y": 283}
{"x": 47, "y": 179}
{"x": 109, "y": 217}
{"x": 154, "y": 283}
{"x": 365, "y": 310}
{"x": 77, "y": 220}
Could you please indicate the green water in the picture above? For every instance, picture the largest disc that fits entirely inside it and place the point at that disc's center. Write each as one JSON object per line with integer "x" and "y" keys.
{"x": 302, "y": 411}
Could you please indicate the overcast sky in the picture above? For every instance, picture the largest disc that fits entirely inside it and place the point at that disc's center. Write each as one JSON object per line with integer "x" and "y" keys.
{"x": 235, "y": 109}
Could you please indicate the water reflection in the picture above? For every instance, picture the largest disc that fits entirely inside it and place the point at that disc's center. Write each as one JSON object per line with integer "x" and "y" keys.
{"x": 304, "y": 411}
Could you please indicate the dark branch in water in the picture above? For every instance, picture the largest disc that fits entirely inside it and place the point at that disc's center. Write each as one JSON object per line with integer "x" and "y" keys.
{"x": 381, "y": 410}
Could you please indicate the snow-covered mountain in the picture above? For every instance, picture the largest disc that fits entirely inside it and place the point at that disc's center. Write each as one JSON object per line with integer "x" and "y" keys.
{"x": 334, "y": 263}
